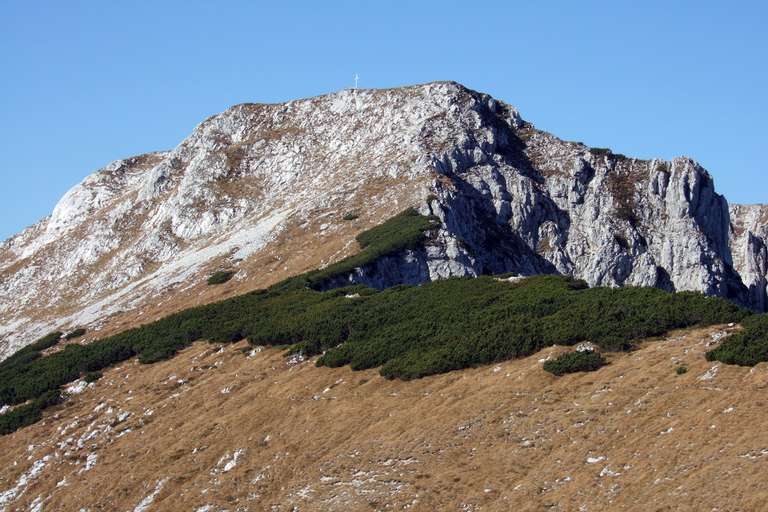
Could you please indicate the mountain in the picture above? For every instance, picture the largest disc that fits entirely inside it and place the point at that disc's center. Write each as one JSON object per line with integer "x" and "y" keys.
{"x": 446, "y": 395}
{"x": 264, "y": 190}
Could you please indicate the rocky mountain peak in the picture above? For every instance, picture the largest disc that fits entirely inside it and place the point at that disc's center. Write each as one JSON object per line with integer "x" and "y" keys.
{"x": 264, "y": 189}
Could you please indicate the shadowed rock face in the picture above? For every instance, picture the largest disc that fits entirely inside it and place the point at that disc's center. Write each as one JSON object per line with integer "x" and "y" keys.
{"x": 749, "y": 239}
{"x": 259, "y": 180}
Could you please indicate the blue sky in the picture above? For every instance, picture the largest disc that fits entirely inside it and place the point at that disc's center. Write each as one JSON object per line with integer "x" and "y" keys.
{"x": 85, "y": 83}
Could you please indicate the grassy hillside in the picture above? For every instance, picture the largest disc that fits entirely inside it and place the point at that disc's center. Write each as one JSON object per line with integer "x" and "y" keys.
{"x": 408, "y": 331}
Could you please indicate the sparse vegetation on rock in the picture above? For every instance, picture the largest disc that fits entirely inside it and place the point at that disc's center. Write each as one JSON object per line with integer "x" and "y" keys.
{"x": 607, "y": 153}
{"x": 600, "y": 151}
{"x": 622, "y": 187}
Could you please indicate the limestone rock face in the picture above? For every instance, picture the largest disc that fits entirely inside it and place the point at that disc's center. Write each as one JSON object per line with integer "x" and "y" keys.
{"x": 263, "y": 189}
{"x": 749, "y": 242}
{"x": 553, "y": 206}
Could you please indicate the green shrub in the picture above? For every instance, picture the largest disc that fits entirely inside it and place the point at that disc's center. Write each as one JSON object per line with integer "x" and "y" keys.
{"x": 18, "y": 361}
{"x": 403, "y": 231}
{"x": 47, "y": 341}
{"x": 92, "y": 377}
{"x": 573, "y": 362}
{"x": 681, "y": 370}
{"x": 600, "y": 151}
{"x": 350, "y": 216}
{"x": 747, "y": 347}
{"x": 220, "y": 277}
{"x": 29, "y": 413}
{"x": 75, "y": 334}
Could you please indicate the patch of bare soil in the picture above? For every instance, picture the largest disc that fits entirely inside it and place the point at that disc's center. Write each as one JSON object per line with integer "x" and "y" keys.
{"x": 230, "y": 428}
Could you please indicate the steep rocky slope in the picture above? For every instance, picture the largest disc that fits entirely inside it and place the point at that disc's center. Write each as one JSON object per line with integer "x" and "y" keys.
{"x": 217, "y": 429}
{"x": 748, "y": 242}
{"x": 264, "y": 189}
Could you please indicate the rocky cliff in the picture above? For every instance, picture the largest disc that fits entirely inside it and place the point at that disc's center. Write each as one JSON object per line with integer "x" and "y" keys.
{"x": 267, "y": 190}
{"x": 749, "y": 238}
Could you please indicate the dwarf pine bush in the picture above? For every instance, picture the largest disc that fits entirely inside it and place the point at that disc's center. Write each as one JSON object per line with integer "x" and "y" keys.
{"x": 746, "y": 347}
{"x": 75, "y": 334}
{"x": 573, "y": 362}
{"x": 220, "y": 277}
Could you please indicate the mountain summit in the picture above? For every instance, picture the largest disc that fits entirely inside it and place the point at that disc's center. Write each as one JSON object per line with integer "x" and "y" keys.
{"x": 269, "y": 191}
{"x": 450, "y": 394}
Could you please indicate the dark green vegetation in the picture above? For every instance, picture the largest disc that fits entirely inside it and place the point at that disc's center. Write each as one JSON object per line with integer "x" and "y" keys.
{"x": 220, "y": 277}
{"x": 19, "y": 361}
{"x": 47, "y": 341}
{"x": 606, "y": 152}
{"x": 29, "y": 413}
{"x": 15, "y": 367}
{"x": 573, "y": 362}
{"x": 681, "y": 370}
{"x": 350, "y": 216}
{"x": 403, "y": 231}
{"x": 416, "y": 331}
{"x": 92, "y": 377}
{"x": 75, "y": 334}
{"x": 747, "y": 347}
{"x": 409, "y": 331}
{"x": 600, "y": 151}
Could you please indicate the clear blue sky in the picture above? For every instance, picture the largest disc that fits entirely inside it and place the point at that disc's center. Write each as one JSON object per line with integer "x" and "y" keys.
{"x": 85, "y": 83}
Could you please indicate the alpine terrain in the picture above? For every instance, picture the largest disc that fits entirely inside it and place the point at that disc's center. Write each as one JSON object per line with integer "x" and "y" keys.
{"x": 338, "y": 227}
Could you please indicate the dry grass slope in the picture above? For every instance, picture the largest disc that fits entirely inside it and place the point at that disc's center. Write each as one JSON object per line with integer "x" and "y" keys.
{"x": 219, "y": 428}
